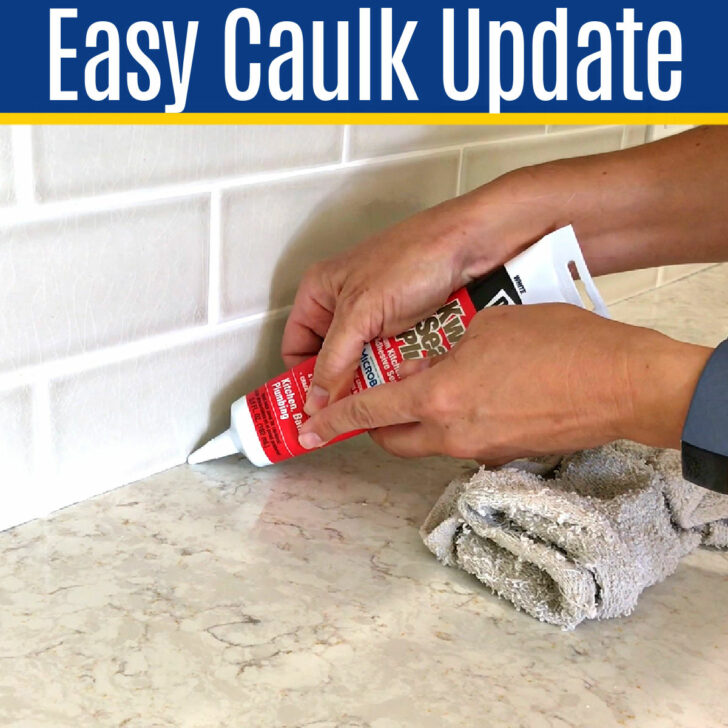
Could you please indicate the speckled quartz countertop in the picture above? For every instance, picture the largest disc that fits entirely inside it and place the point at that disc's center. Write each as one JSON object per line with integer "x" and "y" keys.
{"x": 301, "y": 595}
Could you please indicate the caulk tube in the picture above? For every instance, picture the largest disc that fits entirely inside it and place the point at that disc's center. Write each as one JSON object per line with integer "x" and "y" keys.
{"x": 265, "y": 424}
{"x": 541, "y": 274}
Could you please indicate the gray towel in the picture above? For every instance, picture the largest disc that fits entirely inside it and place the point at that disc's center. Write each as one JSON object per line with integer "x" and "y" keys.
{"x": 575, "y": 538}
{"x": 692, "y": 507}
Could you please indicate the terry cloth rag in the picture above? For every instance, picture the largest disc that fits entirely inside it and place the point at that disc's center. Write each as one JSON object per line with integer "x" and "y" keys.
{"x": 579, "y": 537}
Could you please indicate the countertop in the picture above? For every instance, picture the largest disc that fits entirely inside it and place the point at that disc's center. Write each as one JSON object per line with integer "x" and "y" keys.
{"x": 301, "y": 595}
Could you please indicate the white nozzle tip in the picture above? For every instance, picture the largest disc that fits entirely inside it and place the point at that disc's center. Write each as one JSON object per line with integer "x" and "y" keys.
{"x": 198, "y": 456}
{"x": 219, "y": 447}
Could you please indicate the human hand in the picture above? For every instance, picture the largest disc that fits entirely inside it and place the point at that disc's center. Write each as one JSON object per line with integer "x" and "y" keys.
{"x": 630, "y": 209}
{"x": 394, "y": 279}
{"x": 527, "y": 381}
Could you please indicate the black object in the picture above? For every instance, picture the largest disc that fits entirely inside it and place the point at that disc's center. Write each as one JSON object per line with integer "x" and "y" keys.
{"x": 705, "y": 434}
{"x": 495, "y": 289}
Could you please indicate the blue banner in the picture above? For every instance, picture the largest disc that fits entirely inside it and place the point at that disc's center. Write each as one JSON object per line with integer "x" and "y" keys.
{"x": 409, "y": 57}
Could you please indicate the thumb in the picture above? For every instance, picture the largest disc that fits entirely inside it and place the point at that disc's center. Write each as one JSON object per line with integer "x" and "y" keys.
{"x": 340, "y": 354}
{"x": 382, "y": 406}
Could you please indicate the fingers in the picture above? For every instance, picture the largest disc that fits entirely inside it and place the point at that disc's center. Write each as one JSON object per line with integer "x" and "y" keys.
{"x": 340, "y": 354}
{"x": 309, "y": 320}
{"x": 409, "y": 367}
{"x": 382, "y": 406}
{"x": 414, "y": 440}
{"x": 304, "y": 333}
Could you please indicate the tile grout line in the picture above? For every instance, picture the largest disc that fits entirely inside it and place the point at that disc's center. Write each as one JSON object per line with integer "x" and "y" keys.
{"x": 214, "y": 258}
{"x": 129, "y": 198}
{"x": 124, "y": 351}
{"x": 42, "y": 437}
{"x": 22, "y": 154}
{"x": 688, "y": 274}
{"x": 77, "y": 363}
{"x": 625, "y": 132}
{"x": 163, "y": 193}
{"x": 346, "y": 144}
{"x": 459, "y": 178}
{"x": 643, "y": 291}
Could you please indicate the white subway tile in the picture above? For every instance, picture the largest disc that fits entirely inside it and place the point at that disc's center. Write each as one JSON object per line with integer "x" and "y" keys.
{"x": 617, "y": 286}
{"x": 6, "y": 166}
{"x": 121, "y": 422}
{"x": 483, "y": 164}
{"x": 558, "y": 128}
{"x": 16, "y": 442}
{"x": 19, "y": 494}
{"x": 76, "y": 284}
{"x": 634, "y": 136}
{"x": 670, "y": 273}
{"x": 271, "y": 233}
{"x": 660, "y": 131}
{"x": 370, "y": 141}
{"x": 88, "y": 160}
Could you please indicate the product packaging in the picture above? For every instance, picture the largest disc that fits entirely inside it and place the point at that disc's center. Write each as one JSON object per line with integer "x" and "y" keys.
{"x": 265, "y": 423}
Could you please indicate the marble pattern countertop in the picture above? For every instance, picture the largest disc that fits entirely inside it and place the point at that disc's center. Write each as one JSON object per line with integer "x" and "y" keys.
{"x": 301, "y": 595}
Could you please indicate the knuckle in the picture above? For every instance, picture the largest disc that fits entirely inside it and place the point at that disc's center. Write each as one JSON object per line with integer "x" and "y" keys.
{"x": 360, "y": 414}
{"x": 439, "y": 404}
{"x": 324, "y": 368}
{"x": 320, "y": 424}
{"x": 356, "y": 295}
{"x": 363, "y": 309}
{"x": 330, "y": 367}
{"x": 332, "y": 423}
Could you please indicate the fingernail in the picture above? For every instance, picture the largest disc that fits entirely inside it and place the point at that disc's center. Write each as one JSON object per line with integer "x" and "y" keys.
{"x": 316, "y": 400}
{"x": 310, "y": 440}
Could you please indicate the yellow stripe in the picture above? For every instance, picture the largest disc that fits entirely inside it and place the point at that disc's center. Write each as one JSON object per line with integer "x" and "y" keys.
{"x": 363, "y": 118}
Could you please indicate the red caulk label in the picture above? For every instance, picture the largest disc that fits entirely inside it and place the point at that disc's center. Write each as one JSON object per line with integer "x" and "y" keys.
{"x": 277, "y": 407}
{"x": 539, "y": 274}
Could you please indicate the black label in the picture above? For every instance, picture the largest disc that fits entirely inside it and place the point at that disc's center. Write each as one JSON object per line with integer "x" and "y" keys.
{"x": 495, "y": 289}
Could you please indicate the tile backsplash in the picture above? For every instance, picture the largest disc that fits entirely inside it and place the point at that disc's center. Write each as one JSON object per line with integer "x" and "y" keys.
{"x": 272, "y": 232}
{"x": 6, "y": 166}
{"x": 17, "y": 452}
{"x": 78, "y": 283}
{"x": 483, "y": 164}
{"x": 92, "y": 160}
{"x": 373, "y": 141}
{"x": 147, "y": 272}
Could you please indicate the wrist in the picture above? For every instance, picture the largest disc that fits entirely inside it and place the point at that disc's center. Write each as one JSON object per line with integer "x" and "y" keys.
{"x": 608, "y": 198}
{"x": 511, "y": 213}
{"x": 663, "y": 374}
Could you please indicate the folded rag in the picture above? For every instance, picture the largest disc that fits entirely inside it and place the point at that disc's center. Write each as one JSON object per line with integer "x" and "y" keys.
{"x": 579, "y": 537}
